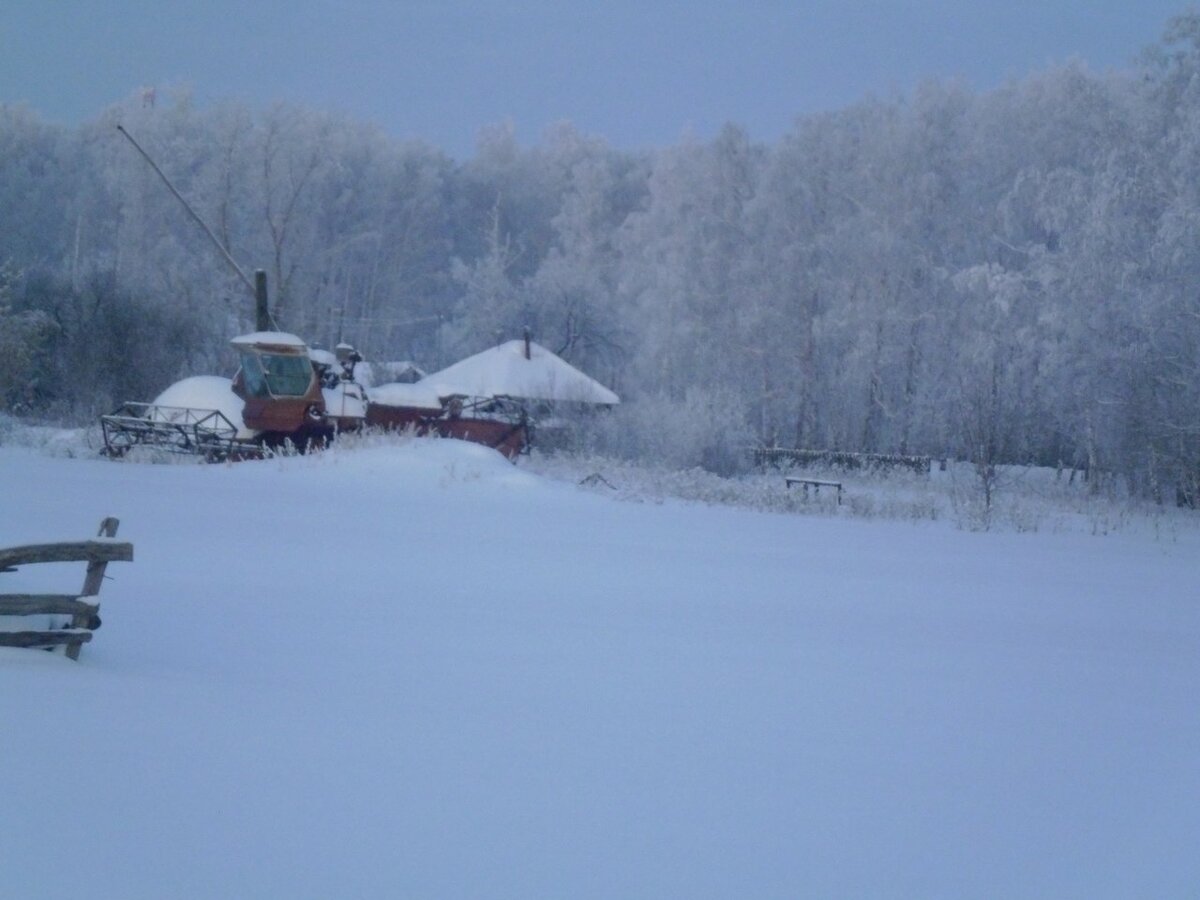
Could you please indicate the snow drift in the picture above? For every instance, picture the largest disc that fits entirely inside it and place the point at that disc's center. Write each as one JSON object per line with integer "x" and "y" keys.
{"x": 409, "y": 668}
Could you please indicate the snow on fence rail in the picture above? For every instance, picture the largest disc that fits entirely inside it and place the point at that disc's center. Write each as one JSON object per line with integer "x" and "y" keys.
{"x": 780, "y": 456}
{"x": 84, "y": 615}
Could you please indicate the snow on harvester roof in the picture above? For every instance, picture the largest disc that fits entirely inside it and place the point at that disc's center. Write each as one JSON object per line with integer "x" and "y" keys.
{"x": 416, "y": 396}
{"x": 322, "y": 357}
{"x": 504, "y": 371}
{"x": 273, "y": 340}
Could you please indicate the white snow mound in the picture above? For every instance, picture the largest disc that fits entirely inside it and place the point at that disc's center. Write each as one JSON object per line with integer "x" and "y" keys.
{"x": 201, "y": 392}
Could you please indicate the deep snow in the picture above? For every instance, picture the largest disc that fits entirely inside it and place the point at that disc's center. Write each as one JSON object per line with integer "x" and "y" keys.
{"x": 414, "y": 670}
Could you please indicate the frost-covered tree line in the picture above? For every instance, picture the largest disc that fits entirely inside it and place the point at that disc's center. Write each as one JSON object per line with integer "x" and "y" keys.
{"x": 1009, "y": 276}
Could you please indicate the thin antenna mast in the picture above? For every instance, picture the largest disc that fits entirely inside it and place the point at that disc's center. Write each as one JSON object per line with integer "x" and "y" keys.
{"x": 258, "y": 287}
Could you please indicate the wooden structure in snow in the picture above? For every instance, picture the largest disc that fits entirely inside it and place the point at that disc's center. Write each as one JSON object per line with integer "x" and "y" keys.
{"x": 84, "y": 613}
{"x": 815, "y": 483}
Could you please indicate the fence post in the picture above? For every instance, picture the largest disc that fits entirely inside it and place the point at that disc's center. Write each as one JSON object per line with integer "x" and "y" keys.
{"x": 91, "y": 585}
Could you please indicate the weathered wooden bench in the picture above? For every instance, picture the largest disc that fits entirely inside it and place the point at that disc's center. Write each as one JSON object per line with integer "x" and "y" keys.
{"x": 815, "y": 483}
{"x": 84, "y": 615}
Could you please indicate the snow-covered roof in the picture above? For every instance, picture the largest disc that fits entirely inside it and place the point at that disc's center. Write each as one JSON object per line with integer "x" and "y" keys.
{"x": 504, "y": 370}
{"x": 273, "y": 338}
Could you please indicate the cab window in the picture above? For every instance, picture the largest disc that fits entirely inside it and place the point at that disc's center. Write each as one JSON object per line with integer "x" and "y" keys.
{"x": 287, "y": 376}
{"x": 266, "y": 374}
{"x": 252, "y": 375}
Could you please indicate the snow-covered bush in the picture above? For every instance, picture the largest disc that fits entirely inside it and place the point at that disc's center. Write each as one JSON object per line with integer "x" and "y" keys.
{"x": 706, "y": 430}
{"x": 25, "y": 337}
{"x": 48, "y": 440}
{"x": 1029, "y": 499}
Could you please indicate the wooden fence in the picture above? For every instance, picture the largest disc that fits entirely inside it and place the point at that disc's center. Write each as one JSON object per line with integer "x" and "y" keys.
{"x": 787, "y": 457}
{"x": 85, "y": 614}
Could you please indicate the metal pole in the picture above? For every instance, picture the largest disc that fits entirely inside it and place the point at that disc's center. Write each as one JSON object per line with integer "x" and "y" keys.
{"x": 191, "y": 212}
{"x": 262, "y": 312}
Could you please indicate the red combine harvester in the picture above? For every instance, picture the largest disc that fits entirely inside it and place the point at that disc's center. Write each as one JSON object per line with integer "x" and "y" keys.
{"x": 285, "y": 395}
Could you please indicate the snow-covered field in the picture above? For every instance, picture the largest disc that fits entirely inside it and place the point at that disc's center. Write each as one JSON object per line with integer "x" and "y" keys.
{"x": 414, "y": 670}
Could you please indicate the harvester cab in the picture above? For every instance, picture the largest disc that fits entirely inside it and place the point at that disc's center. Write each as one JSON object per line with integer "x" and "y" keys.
{"x": 279, "y": 388}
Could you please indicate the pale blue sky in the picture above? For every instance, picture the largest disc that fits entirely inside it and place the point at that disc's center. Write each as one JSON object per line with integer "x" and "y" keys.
{"x": 638, "y": 74}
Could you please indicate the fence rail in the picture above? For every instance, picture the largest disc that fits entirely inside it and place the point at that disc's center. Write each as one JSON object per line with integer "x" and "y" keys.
{"x": 840, "y": 459}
